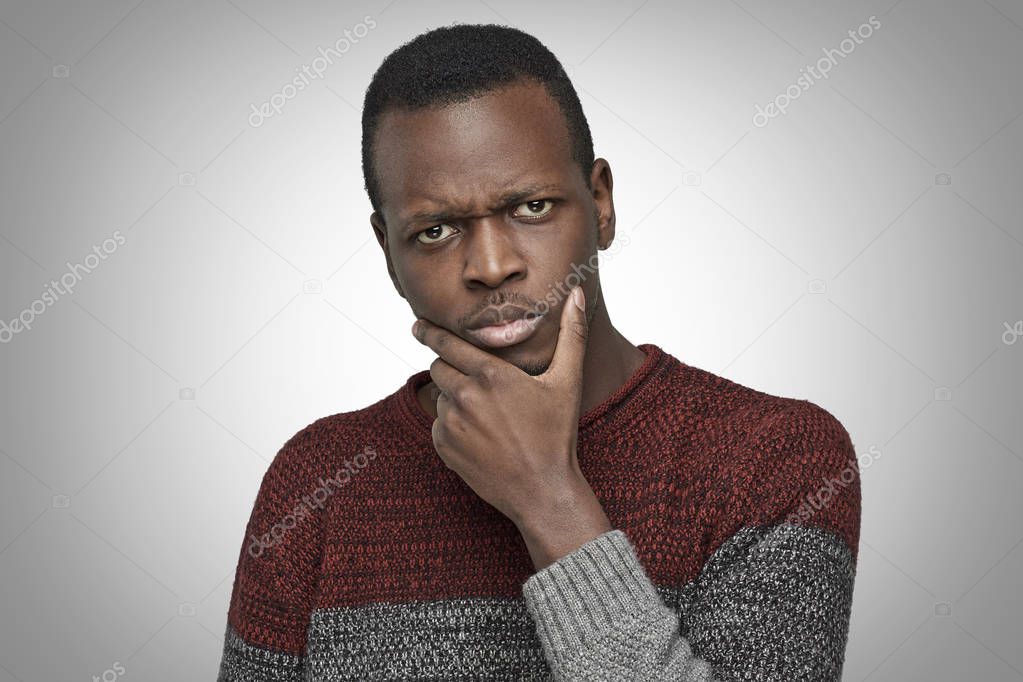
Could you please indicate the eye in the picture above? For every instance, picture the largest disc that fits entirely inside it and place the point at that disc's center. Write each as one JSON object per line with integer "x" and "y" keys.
{"x": 535, "y": 208}
{"x": 435, "y": 231}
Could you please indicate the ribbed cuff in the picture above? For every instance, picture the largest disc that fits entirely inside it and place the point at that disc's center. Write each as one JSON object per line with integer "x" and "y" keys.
{"x": 592, "y": 591}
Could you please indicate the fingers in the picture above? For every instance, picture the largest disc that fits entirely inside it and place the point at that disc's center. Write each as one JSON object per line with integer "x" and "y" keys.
{"x": 448, "y": 380}
{"x": 567, "y": 364}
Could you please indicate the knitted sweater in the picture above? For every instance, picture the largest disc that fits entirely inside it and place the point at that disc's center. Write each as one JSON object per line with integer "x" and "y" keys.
{"x": 735, "y": 520}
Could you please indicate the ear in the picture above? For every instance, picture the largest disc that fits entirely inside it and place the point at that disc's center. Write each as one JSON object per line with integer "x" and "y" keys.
{"x": 380, "y": 230}
{"x": 602, "y": 182}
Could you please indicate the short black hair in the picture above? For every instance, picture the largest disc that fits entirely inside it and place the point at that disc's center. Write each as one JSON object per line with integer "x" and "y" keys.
{"x": 458, "y": 62}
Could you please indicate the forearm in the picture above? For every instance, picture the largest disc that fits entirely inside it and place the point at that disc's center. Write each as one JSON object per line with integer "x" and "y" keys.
{"x": 554, "y": 524}
{"x": 772, "y": 604}
{"x": 597, "y": 613}
{"x": 599, "y": 618}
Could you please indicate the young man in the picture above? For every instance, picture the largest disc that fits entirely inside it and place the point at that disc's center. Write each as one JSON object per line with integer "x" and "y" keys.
{"x": 548, "y": 501}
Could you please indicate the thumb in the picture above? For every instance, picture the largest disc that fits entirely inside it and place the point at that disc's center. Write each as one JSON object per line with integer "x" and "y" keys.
{"x": 567, "y": 364}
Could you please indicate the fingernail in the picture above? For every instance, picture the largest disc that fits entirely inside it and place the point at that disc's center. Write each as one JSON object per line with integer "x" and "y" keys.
{"x": 415, "y": 329}
{"x": 577, "y": 296}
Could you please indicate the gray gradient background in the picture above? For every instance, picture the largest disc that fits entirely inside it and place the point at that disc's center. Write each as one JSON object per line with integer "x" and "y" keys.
{"x": 822, "y": 256}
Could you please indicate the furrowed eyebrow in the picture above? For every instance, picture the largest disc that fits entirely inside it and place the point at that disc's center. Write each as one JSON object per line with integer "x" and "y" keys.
{"x": 511, "y": 198}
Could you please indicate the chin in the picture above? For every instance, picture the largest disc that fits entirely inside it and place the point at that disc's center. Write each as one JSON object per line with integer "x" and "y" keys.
{"x": 533, "y": 369}
{"x": 533, "y": 356}
{"x": 533, "y": 363}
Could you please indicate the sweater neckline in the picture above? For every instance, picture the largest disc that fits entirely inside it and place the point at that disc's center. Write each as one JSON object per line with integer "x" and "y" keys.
{"x": 420, "y": 421}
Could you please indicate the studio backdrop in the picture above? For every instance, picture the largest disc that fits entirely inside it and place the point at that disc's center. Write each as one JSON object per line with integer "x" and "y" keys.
{"x": 819, "y": 200}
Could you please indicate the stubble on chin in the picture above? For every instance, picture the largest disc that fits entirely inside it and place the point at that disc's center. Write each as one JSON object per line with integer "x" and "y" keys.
{"x": 533, "y": 369}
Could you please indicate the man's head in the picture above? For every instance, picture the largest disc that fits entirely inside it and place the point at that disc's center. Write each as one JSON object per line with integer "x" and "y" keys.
{"x": 479, "y": 166}
{"x": 454, "y": 63}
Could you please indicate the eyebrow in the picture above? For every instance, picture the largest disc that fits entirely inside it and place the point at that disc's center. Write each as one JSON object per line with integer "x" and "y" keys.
{"x": 510, "y": 198}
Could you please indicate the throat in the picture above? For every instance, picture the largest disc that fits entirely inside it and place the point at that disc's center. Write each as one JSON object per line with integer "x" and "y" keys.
{"x": 425, "y": 397}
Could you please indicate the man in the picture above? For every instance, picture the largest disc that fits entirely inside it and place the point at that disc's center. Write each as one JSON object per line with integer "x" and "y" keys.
{"x": 548, "y": 501}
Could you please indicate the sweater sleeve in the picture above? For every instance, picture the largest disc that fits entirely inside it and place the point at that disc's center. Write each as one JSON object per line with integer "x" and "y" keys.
{"x": 275, "y": 581}
{"x": 599, "y": 618}
{"x": 772, "y": 602}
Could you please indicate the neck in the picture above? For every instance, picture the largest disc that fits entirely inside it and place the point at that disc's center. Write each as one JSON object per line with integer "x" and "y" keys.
{"x": 610, "y": 361}
{"x": 610, "y": 358}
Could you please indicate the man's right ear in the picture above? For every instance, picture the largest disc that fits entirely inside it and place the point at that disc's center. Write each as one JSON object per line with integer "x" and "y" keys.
{"x": 380, "y": 230}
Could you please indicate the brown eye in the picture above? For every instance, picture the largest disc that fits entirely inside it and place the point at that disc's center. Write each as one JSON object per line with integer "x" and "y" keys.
{"x": 432, "y": 234}
{"x": 535, "y": 208}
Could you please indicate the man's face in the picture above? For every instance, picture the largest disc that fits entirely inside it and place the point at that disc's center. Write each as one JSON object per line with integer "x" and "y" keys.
{"x": 485, "y": 211}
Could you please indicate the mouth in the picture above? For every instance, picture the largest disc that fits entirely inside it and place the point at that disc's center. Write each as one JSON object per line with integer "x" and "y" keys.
{"x": 506, "y": 333}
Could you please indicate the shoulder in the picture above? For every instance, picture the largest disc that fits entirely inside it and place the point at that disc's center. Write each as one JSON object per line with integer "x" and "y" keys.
{"x": 315, "y": 450}
{"x": 800, "y": 438}
{"x": 754, "y": 428}
{"x": 764, "y": 459}
{"x": 720, "y": 416}
{"x": 798, "y": 466}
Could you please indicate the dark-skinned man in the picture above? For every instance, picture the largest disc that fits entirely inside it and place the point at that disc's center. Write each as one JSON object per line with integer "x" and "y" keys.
{"x": 548, "y": 500}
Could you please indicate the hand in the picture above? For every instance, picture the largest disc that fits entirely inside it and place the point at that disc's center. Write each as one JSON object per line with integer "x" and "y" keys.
{"x": 512, "y": 437}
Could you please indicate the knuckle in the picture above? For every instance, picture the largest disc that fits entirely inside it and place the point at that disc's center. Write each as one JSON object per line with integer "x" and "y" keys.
{"x": 488, "y": 375}
{"x": 460, "y": 395}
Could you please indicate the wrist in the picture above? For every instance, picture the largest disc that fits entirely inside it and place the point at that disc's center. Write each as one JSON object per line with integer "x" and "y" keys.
{"x": 557, "y": 524}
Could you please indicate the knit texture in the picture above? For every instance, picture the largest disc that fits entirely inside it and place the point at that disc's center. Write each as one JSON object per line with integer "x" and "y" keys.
{"x": 736, "y": 521}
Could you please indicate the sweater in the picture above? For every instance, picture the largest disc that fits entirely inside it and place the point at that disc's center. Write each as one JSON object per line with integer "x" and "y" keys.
{"x": 735, "y": 518}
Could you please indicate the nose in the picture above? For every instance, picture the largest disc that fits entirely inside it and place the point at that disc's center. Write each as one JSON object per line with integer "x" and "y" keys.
{"x": 492, "y": 257}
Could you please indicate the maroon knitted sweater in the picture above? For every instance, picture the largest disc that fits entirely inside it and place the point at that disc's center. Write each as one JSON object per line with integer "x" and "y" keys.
{"x": 367, "y": 558}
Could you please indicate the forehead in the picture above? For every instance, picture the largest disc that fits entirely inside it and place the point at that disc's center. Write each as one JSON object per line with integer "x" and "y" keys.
{"x": 468, "y": 154}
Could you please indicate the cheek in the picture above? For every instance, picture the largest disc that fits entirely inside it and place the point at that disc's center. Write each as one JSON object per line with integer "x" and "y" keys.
{"x": 429, "y": 290}
{"x": 569, "y": 240}
{"x": 571, "y": 260}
